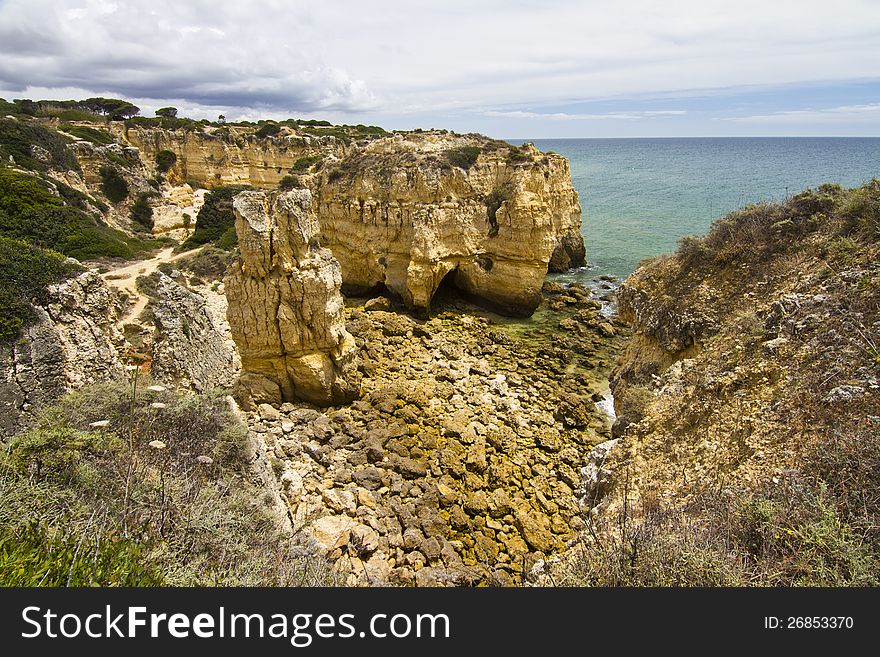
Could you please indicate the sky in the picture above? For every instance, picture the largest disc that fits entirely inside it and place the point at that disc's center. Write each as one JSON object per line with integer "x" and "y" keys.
{"x": 506, "y": 68}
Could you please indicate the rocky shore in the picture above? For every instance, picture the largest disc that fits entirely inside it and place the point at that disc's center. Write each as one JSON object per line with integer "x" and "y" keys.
{"x": 462, "y": 462}
{"x": 413, "y": 438}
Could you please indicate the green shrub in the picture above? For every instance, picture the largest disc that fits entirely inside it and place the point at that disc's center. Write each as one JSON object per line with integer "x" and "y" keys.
{"x": 519, "y": 155}
{"x": 228, "y": 240}
{"x": 30, "y": 212}
{"x": 8, "y": 108}
{"x": 303, "y": 164}
{"x": 76, "y": 198}
{"x": 789, "y": 535}
{"x": 75, "y": 115}
{"x": 692, "y": 250}
{"x": 74, "y": 233}
{"x": 89, "y": 134}
{"x": 113, "y": 185}
{"x": 268, "y": 130}
{"x": 180, "y": 511}
{"x": 17, "y": 137}
{"x": 860, "y": 210}
{"x": 209, "y": 263}
{"x": 215, "y": 218}
{"x": 142, "y": 213}
{"x": 34, "y": 556}
{"x": 165, "y": 159}
{"x": 464, "y": 157}
{"x": 288, "y": 183}
{"x": 843, "y": 251}
{"x": 118, "y": 160}
{"x": 147, "y": 285}
{"x": 25, "y": 275}
{"x": 20, "y": 193}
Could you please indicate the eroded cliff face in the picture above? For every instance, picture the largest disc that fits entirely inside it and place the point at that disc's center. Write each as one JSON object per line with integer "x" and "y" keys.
{"x": 230, "y": 155}
{"x": 72, "y": 343}
{"x": 397, "y": 214}
{"x": 285, "y": 308}
{"x": 191, "y": 346}
{"x": 404, "y": 212}
{"x": 750, "y": 362}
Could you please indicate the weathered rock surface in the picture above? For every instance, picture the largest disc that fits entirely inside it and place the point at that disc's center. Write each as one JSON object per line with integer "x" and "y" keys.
{"x": 397, "y": 214}
{"x": 230, "y": 155}
{"x": 285, "y": 308}
{"x": 453, "y": 468}
{"x": 71, "y": 344}
{"x": 175, "y": 214}
{"x": 189, "y": 346}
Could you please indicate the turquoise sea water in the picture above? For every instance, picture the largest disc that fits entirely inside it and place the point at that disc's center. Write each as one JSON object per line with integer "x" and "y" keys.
{"x": 639, "y": 196}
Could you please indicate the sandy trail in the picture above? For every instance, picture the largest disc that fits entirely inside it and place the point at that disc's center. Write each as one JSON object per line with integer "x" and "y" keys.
{"x": 124, "y": 279}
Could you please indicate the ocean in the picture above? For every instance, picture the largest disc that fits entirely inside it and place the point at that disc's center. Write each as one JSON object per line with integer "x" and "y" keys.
{"x": 639, "y": 196}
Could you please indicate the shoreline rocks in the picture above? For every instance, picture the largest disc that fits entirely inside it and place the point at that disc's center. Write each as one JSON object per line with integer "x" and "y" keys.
{"x": 455, "y": 467}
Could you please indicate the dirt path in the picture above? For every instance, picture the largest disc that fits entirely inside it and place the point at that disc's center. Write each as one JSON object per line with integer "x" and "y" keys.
{"x": 125, "y": 279}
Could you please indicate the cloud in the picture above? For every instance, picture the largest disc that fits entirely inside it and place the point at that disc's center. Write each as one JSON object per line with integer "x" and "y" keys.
{"x": 208, "y": 53}
{"x": 437, "y": 58}
{"x": 564, "y": 116}
{"x": 869, "y": 112}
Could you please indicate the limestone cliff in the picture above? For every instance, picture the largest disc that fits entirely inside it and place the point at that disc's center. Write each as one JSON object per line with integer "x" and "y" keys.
{"x": 399, "y": 213}
{"x": 229, "y": 155}
{"x": 404, "y": 211}
{"x": 71, "y": 344}
{"x": 285, "y": 308}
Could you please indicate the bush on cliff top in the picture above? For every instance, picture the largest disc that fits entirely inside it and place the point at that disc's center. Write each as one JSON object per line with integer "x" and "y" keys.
{"x": 18, "y": 139}
{"x": 268, "y": 130}
{"x": 464, "y": 157}
{"x": 757, "y": 232}
{"x": 89, "y": 134}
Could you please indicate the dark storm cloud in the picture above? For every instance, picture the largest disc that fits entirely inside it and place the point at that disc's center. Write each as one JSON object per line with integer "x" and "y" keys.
{"x": 224, "y": 54}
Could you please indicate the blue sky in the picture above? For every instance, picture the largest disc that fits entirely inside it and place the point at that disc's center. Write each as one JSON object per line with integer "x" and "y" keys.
{"x": 507, "y": 68}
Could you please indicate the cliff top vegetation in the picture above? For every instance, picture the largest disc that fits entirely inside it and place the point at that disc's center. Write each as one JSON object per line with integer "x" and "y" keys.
{"x": 751, "y": 389}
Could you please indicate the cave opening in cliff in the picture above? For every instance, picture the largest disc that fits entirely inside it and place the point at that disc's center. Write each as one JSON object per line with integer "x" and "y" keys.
{"x": 447, "y": 292}
{"x": 364, "y": 291}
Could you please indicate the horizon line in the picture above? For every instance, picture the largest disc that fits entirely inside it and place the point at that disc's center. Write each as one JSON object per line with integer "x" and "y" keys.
{"x": 704, "y": 137}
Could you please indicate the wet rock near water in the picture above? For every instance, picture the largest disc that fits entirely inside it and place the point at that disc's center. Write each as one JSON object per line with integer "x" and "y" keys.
{"x": 461, "y": 462}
